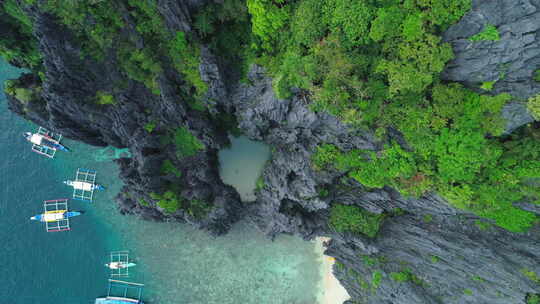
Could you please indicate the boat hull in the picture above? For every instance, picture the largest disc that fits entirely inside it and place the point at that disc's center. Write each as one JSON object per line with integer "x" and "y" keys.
{"x": 72, "y": 214}
{"x": 36, "y": 217}
{"x": 53, "y": 144}
{"x": 116, "y": 300}
{"x": 85, "y": 186}
{"x": 60, "y": 214}
{"x": 117, "y": 265}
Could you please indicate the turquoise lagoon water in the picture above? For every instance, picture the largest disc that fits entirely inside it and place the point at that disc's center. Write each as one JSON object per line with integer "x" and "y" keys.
{"x": 177, "y": 263}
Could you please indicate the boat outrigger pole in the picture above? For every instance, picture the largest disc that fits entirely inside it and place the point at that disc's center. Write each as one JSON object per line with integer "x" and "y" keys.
{"x": 119, "y": 263}
{"x": 45, "y": 142}
{"x": 42, "y": 140}
{"x": 84, "y": 185}
{"x": 56, "y": 215}
{"x": 122, "y": 292}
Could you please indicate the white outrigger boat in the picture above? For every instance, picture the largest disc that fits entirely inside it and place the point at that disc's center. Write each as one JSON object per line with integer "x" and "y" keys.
{"x": 119, "y": 263}
{"x": 84, "y": 185}
{"x": 45, "y": 142}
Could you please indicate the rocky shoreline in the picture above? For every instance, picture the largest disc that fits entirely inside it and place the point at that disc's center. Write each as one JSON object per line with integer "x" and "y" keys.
{"x": 446, "y": 255}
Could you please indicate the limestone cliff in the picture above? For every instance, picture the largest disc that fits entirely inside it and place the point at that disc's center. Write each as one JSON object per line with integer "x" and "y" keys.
{"x": 67, "y": 104}
{"x": 443, "y": 255}
{"x": 509, "y": 62}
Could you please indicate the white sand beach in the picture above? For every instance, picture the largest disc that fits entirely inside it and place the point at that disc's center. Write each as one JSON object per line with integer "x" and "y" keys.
{"x": 332, "y": 291}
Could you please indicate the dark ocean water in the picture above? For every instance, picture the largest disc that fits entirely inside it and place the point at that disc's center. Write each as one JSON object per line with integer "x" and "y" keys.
{"x": 177, "y": 263}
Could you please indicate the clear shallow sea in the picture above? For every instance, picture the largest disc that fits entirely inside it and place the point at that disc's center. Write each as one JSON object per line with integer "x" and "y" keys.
{"x": 177, "y": 263}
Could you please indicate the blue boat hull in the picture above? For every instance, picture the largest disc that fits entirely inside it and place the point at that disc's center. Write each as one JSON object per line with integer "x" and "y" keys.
{"x": 39, "y": 217}
{"x": 61, "y": 147}
{"x": 72, "y": 214}
{"x": 54, "y": 145}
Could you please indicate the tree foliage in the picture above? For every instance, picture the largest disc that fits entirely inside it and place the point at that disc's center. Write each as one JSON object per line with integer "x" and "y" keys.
{"x": 536, "y": 76}
{"x": 533, "y": 105}
{"x": 17, "y": 44}
{"x": 137, "y": 31}
{"x": 268, "y": 17}
{"x": 169, "y": 201}
{"x": 408, "y": 55}
{"x": 533, "y": 298}
{"x": 355, "y": 219}
{"x": 351, "y": 19}
{"x": 376, "y": 64}
{"x": 168, "y": 167}
{"x": 186, "y": 59}
{"x": 451, "y": 154}
{"x": 490, "y": 32}
{"x": 103, "y": 98}
{"x": 186, "y": 144}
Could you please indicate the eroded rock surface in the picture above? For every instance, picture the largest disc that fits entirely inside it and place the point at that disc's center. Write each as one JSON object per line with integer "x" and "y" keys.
{"x": 509, "y": 62}
{"x": 67, "y": 105}
{"x": 455, "y": 257}
{"x": 452, "y": 256}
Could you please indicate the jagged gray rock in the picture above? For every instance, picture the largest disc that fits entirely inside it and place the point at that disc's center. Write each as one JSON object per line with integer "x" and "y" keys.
{"x": 448, "y": 252}
{"x": 67, "y": 104}
{"x": 509, "y": 62}
{"x": 516, "y": 115}
{"x": 290, "y": 201}
{"x": 454, "y": 261}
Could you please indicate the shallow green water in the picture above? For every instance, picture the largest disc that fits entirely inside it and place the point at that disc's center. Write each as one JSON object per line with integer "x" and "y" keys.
{"x": 242, "y": 164}
{"x": 177, "y": 263}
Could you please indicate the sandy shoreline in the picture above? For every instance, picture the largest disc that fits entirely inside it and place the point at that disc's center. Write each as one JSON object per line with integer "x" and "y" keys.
{"x": 331, "y": 290}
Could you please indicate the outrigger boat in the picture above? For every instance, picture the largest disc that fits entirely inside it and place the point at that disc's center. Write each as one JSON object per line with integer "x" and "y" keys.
{"x": 129, "y": 293}
{"x": 56, "y": 215}
{"x": 84, "y": 185}
{"x": 119, "y": 263}
{"x": 45, "y": 142}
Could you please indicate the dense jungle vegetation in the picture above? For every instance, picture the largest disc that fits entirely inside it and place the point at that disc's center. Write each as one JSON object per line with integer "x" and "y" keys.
{"x": 374, "y": 64}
